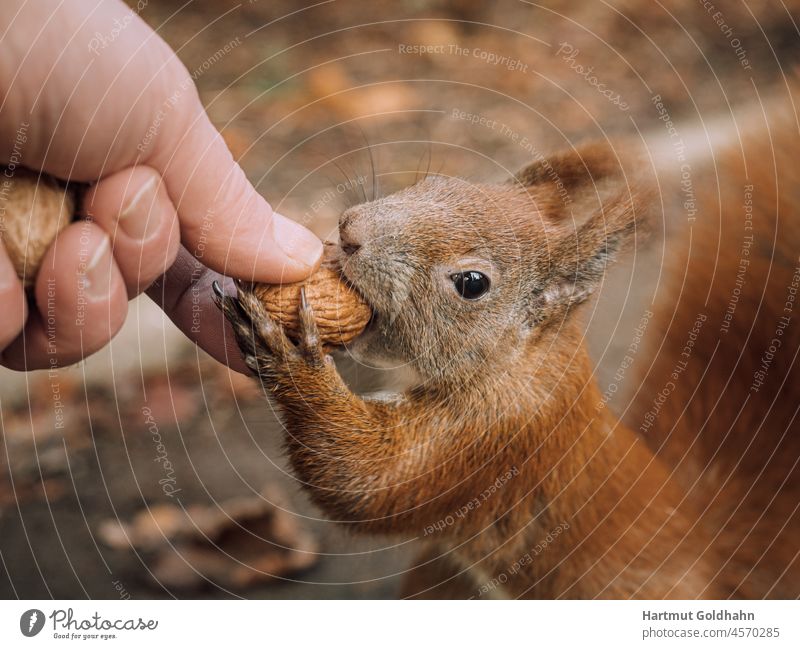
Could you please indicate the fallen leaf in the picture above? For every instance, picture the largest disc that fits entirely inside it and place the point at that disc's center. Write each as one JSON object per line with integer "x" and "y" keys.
{"x": 241, "y": 542}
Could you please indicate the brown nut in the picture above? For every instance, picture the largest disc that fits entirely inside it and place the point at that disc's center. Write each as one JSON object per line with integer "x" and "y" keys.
{"x": 339, "y": 311}
{"x": 33, "y": 210}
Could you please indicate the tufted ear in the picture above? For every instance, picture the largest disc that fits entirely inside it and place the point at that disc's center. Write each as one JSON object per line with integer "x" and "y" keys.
{"x": 594, "y": 203}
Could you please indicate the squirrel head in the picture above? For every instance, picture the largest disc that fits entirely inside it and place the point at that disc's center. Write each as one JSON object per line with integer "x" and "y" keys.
{"x": 461, "y": 275}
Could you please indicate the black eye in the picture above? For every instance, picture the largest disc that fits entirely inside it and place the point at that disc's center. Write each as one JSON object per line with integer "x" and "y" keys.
{"x": 471, "y": 284}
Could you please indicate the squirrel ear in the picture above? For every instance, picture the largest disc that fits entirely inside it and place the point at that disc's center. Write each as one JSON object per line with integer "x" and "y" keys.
{"x": 599, "y": 212}
{"x": 573, "y": 171}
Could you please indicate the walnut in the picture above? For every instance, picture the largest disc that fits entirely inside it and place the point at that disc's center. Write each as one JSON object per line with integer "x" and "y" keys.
{"x": 339, "y": 311}
{"x": 33, "y": 210}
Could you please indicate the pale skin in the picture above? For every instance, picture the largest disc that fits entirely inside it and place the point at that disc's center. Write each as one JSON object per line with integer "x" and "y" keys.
{"x": 121, "y": 112}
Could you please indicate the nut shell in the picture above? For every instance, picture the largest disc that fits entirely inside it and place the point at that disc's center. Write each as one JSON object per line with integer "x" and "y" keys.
{"x": 339, "y": 310}
{"x": 33, "y": 210}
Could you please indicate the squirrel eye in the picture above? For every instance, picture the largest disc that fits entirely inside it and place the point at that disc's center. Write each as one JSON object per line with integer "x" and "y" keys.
{"x": 471, "y": 284}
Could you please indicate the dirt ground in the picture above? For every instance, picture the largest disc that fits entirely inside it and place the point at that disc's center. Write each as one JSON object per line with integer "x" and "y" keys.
{"x": 308, "y": 97}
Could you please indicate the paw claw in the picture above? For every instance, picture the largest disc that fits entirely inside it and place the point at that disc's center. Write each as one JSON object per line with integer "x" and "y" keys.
{"x": 217, "y": 290}
{"x": 303, "y": 302}
{"x": 310, "y": 344}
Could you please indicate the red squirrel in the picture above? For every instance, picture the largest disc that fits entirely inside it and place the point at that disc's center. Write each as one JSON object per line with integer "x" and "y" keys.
{"x": 499, "y": 457}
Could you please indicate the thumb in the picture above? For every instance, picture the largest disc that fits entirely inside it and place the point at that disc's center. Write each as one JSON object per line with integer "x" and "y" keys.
{"x": 224, "y": 221}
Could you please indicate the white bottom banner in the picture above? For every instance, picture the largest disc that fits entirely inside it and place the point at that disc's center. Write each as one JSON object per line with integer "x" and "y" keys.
{"x": 399, "y": 624}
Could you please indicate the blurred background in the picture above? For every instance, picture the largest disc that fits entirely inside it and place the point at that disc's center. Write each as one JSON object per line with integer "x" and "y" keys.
{"x": 152, "y": 471}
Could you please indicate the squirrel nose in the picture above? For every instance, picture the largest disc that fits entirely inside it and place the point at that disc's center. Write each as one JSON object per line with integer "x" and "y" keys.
{"x": 347, "y": 241}
{"x": 349, "y": 247}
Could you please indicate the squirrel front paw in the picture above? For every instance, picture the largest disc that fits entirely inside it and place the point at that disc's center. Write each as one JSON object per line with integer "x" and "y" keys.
{"x": 267, "y": 350}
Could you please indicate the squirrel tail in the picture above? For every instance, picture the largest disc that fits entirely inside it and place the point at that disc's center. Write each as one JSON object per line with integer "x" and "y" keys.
{"x": 720, "y": 400}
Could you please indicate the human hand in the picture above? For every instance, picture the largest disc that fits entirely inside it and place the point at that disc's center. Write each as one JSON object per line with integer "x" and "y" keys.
{"x": 91, "y": 93}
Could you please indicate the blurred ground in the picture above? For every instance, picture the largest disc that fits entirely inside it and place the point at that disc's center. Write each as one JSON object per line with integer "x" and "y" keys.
{"x": 308, "y": 97}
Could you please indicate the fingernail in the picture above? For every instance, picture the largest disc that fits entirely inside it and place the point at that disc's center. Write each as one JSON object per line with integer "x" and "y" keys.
{"x": 296, "y": 241}
{"x": 138, "y": 218}
{"x": 96, "y": 279}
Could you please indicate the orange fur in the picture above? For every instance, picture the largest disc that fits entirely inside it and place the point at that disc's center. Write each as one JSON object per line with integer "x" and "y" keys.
{"x": 499, "y": 458}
